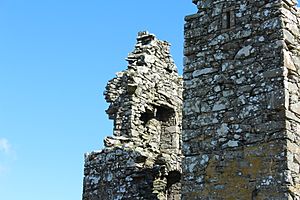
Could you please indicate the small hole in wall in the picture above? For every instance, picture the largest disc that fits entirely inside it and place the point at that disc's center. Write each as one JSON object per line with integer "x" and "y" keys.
{"x": 168, "y": 70}
{"x": 173, "y": 177}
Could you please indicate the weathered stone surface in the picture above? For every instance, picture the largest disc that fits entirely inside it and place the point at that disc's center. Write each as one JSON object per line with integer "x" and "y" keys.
{"x": 143, "y": 158}
{"x": 241, "y": 111}
{"x": 249, "y": 119}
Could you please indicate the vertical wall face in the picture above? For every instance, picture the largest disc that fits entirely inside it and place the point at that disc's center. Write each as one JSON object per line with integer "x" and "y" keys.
{"x": 143, "y": 159}
{"x": 239, "y": 126}
{"x": 291, "y": 54}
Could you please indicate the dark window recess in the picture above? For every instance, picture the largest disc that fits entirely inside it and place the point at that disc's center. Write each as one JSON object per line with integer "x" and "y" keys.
{"x": 227, "y": 20}
{"x": 146, "y": 116}
{"x": 164, "y": 114}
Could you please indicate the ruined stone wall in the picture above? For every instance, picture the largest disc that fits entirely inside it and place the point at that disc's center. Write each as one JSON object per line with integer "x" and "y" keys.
{"x": 241, "y": 101}
{"x": 143, "y": 158}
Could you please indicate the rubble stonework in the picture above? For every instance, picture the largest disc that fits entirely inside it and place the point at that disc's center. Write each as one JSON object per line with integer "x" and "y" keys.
{"x": 143, "y": 158}
{"x": 241, "y": 112}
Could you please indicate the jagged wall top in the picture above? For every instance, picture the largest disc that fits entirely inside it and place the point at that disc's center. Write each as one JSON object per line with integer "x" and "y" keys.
{"x": 150, "y": 53}
{"x": 148, "y": 45}
{"x": 142, "y": 160}
{"x": 149, "y": 82}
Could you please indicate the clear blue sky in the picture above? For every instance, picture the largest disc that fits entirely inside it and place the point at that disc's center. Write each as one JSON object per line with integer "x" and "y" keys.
{"x": 56, "y": 57}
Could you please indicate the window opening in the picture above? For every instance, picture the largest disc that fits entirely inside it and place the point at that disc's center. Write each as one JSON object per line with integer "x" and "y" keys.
{"x": 227, "y": 19}
{"x": 164, "y": 114}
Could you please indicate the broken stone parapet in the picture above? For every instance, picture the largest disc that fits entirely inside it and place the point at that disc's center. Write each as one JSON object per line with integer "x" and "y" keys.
{"x": 142, "y": 160}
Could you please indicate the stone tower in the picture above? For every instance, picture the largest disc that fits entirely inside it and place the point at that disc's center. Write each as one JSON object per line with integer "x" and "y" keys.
{"x": 241, "y": 112}
{"x": 143, "y": 158}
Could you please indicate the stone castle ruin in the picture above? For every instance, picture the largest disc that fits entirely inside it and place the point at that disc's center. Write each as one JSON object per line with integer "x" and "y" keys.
{"x": 143, "y": 158}
{"x": 230, "y": 133}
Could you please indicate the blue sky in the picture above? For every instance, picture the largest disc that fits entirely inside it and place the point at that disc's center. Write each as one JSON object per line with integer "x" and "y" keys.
{"x": 56, "y": 57}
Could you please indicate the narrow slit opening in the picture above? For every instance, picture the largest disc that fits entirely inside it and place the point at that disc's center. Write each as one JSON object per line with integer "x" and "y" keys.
{"x": 227, "y": 19}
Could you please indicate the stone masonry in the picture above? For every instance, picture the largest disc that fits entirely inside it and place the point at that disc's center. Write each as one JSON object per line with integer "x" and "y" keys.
{"x": 142, "y": 160}
{"x": 241, "y": 112}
